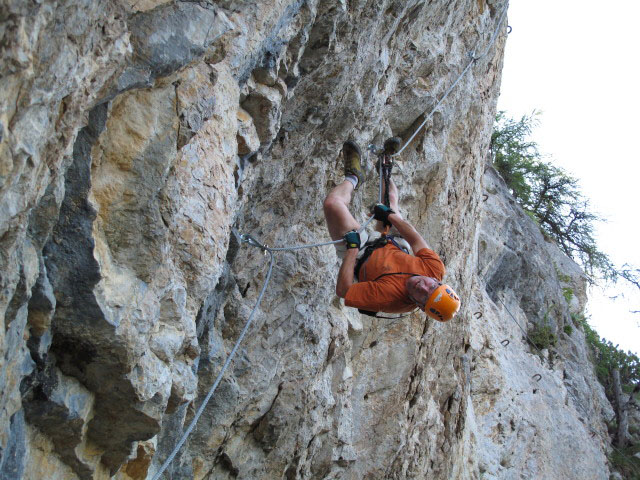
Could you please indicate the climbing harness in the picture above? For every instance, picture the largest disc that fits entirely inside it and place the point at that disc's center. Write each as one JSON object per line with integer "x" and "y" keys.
{"x": 372, "y": 246}
{"x": 368, "y": 250}
{"x": 386, "y": 163}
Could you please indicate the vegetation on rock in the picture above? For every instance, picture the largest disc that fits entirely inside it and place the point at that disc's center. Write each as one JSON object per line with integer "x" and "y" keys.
{"x": 607, "y": 357}
{"x": 542, "y": 336}
{"x": 626, "y": 462}
{"x": 552, "y": 197}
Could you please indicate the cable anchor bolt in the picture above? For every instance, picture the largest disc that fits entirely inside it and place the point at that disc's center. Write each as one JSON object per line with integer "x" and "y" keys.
{"x": 248, "y": 239}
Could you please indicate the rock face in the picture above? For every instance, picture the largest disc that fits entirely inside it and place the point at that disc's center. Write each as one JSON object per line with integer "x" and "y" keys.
{"x": 529, "y": 402}
{"x": 134, "y": 135}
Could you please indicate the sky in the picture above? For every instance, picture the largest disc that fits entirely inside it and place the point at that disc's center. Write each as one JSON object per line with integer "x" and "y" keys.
{"x": 577, "y": 63}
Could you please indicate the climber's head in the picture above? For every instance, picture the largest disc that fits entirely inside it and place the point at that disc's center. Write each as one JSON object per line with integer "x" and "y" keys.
{"x": 420, "y": 289}
{"x": 437, "y": 300}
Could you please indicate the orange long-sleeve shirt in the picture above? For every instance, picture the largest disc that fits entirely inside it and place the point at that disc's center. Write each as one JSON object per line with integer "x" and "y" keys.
{"x": 377, "y": 292}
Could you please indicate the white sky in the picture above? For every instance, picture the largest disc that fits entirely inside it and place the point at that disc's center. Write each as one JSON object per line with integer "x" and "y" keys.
{"x": 577, "y": 63}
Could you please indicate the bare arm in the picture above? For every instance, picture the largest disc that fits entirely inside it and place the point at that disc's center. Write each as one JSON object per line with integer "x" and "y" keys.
{"x": 409, "y": 233}
{"x": 345, "y": 275}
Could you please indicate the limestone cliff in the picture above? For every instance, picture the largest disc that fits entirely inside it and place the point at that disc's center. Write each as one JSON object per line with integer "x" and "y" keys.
{"x": 135, "y": 134}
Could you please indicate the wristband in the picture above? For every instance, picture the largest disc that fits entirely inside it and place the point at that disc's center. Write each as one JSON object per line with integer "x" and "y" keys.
{"x": 352, "y": 239}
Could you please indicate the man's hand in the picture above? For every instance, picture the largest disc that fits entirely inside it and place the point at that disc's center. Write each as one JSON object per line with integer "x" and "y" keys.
{"x": 381, "y": 212}
{"x": 352, "y": 239}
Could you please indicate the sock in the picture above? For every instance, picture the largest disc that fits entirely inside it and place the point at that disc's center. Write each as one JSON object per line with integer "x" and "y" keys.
{"x": 353, "y": 179}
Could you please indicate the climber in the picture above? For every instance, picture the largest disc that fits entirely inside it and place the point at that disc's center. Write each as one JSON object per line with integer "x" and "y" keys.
{"x": 380, "y": 275}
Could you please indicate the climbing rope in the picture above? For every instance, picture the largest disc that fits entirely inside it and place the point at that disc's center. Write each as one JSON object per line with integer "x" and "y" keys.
{"x": 250, "y": 240}
{"x": 472, "y": 61}
{"x": 193, "y": 423}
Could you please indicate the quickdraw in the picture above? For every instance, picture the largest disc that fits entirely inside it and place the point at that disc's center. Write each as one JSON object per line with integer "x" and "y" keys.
{"x": 386, "y": 164}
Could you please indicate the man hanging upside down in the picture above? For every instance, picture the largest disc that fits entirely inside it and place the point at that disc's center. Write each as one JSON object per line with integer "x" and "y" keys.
{"x": 380, "y": 275}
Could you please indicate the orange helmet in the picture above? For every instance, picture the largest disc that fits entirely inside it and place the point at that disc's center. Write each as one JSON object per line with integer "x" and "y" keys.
{"x": 443, "y": 304}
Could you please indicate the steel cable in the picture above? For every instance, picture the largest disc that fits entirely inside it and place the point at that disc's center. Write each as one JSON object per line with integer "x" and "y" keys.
{"x": 244, "y": 238}
{"x": 219, "y": 377}
{"x": 473, "y": 60}
{"x": 576, "y": 402}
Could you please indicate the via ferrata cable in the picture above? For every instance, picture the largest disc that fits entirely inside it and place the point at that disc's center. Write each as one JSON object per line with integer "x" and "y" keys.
{"x": 245, "y": 238}
{"x": 472, "y": 61}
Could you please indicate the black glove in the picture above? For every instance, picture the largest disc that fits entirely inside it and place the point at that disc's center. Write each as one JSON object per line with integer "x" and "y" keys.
{"x": 352, "y": 239}
{"x": 381, "y": 212}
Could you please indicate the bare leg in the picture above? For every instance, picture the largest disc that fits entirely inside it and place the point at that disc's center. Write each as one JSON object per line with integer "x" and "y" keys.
{"x": 336, "y": 211}
{"x": 393, "y": 195}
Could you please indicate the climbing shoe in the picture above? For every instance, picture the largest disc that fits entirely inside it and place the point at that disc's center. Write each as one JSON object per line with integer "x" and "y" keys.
{"x": 392, "y": 145}
{"x": 352, "y": 154}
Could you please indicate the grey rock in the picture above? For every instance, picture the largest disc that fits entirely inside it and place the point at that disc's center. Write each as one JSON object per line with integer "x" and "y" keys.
{"x": 52, "y": 400}
{"x": 85, "y": 341}
{"x": 167, "y": 38}
{"x": 42, "y": 305}
{"x": 263, "y": 104}
{"x": 195, "y": 112}
{"x": 137, "y": 133}
{"x": 520, "y": 419}
{"x": 14, "y": 455}
{"x": 134, "y": 76}
{"x": 173, "y": 35}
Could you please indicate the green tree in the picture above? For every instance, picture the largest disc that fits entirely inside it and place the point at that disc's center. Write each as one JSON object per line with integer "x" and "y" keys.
{"x": 514, "y": 155}
{"x": 551, "y": 197}
{"x": 608, "y": 357}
